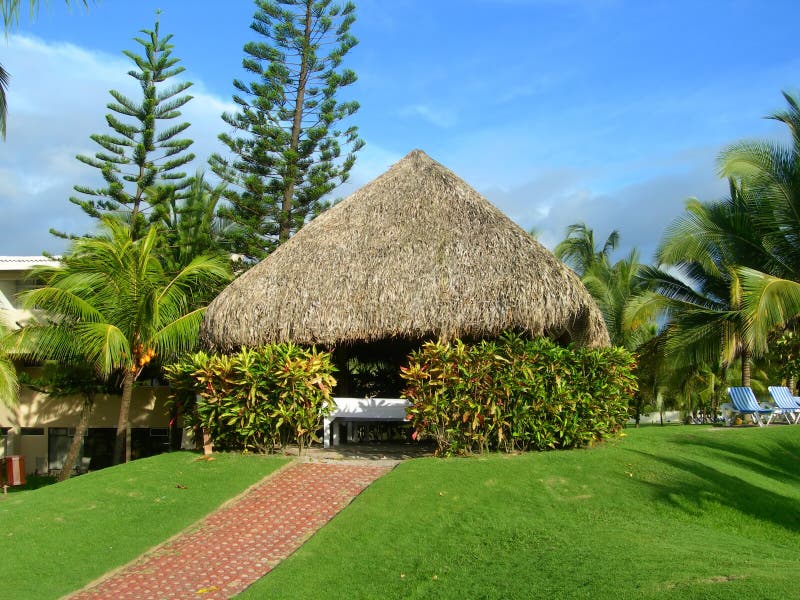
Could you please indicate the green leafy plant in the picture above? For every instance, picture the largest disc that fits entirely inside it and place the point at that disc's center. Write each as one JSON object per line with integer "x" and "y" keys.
{"x": 516, "y": 394}
{"x": 257, "y": 399}
{"x": 374, "y": 378}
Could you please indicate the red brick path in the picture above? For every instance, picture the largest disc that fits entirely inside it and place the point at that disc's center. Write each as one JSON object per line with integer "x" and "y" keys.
{"x": 238, "y": 544}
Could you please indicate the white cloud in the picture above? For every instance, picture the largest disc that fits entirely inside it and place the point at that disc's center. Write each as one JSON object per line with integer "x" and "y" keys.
{"x": 639, "y": 211}
{"x": 440, "y": 117}
{"x": 57, "y": 99}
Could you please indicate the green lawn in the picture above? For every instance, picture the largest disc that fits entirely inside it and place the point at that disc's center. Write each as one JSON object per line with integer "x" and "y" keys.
{"x": 56, "y": 539}
{"x": 681, "y": 511}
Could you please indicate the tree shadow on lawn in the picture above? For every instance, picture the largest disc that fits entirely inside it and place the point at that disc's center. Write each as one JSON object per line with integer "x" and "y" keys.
{"x": 778, "y": 460}
{"x": 715, "y": 486}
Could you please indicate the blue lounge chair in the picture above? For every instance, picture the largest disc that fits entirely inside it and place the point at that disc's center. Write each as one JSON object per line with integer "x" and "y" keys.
{"x": 745, "y": 403}
{"x": 786, "y": 402}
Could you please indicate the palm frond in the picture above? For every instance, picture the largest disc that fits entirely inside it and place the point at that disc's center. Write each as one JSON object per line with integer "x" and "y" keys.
{"x": 105, "y": 346}
{"x": 678, "y": 291}
{"x": 4, "y": 78}
{"x": 9, "y": 385}
{"x": 610, "y": 244}
{"x": 202, "y": 270}
{"x": 47, "y": 342}
{"x": 791, "y": 117}
{"x": 112, "y": 296}
{"x": 646, "y": 307}
{"x": 767, "y": 303}
{"x": 63, "y": 304}
{"x": 701, "y": 337}
{"x": 180, "y": 335}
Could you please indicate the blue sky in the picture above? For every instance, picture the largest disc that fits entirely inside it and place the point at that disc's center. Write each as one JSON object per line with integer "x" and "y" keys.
{"x": 610, "y": 112}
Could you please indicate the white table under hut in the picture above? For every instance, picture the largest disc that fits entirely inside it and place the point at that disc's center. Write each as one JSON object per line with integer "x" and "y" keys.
{"x": 350, "y": 411}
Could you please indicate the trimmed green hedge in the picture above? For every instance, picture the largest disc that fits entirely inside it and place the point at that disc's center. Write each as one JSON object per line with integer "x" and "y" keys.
{"x": 517, "y": 394}
{"x": 257, "y": 399}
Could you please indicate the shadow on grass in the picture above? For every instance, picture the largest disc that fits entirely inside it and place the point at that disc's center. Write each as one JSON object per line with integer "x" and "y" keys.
{"x": 712, "y": 485}
{"x": 778, "y": 460}
{"x": 33, "y": 482}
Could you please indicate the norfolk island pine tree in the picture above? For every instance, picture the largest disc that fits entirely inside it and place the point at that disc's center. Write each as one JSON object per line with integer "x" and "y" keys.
{"x": 288, "y": 154}
{"x": 143, "y": 148}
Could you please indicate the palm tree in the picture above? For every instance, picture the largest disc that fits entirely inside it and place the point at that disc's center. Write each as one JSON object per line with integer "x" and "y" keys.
{"x": 11, "y": 9}
{"x": 614, "y": 287}
{"x": 9, "y": 385}
{"x": 191, "y": 222}
{"x": 697, "y": 284}
{"x": 729, "y": 270}
{"x": 113, "y": 305}
{"x": 770, "y": 291}
{"x": 578, "y": 248}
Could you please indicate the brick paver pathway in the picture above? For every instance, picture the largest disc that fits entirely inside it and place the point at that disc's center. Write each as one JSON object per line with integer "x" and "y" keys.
{"x": 241, "y": 542}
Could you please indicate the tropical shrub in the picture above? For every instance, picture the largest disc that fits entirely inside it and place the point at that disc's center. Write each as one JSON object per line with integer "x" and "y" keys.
{"x": 516, "y": 394}
{"x": 257, "y": 399}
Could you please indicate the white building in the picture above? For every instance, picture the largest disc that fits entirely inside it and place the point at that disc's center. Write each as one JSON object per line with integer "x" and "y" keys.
{"x": 14, "y": 279}
{"x": 40, "y": 428}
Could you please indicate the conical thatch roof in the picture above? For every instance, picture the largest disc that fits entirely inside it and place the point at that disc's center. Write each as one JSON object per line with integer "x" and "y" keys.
{"x": 416, "y": 253}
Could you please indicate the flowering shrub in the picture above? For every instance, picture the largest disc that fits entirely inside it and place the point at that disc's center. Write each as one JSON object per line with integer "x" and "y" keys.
{"x": 516, "y": 394}
{"x": 256, "y": 399}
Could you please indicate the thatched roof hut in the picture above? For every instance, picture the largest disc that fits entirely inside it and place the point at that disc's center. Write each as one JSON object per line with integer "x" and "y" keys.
{"x": 415, "y": 254}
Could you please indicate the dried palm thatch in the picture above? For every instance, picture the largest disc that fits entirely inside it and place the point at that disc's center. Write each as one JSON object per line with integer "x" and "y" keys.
{"x": 415, "y": 254}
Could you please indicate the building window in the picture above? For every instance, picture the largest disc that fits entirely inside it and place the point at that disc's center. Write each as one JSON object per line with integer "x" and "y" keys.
{"x": 59, "y": 440}
{"x": 31, "y": 430}
{"x": 99, "y": 447}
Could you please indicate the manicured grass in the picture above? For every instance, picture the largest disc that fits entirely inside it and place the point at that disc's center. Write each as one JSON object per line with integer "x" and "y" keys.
{"x": 676, "y": 512}
{"x": 58, "y": 538}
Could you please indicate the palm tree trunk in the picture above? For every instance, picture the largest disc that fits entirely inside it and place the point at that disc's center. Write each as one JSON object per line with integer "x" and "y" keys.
{"x": 77, "y": 439}
{"x": 713, "y": 401}
{"x": 123, "y": 424}
{"x": 745, "y": 367}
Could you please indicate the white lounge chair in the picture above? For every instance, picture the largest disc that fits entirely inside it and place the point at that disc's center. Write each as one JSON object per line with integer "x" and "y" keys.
{"x": 787, "y": 403}
{"x": 745, "y": 403}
